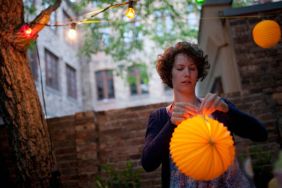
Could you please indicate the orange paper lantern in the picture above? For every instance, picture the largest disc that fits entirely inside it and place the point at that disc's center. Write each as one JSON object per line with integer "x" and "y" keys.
{"x": 202, "y": 148}
{"x": 267, "y": 33}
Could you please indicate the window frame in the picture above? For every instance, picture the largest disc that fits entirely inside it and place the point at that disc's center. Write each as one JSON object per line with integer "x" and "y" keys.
{"x": 54, "y": 71}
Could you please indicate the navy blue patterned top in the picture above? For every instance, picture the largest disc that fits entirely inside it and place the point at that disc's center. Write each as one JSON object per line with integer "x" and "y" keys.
{"x": 159, "y": 133}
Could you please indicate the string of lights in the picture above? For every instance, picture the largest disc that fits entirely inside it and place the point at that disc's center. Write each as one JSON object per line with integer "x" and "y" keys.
{"x": 88, "y": 18}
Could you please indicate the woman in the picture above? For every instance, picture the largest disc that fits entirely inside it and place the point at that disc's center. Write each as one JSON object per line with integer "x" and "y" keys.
{"x": 180, "y": 67}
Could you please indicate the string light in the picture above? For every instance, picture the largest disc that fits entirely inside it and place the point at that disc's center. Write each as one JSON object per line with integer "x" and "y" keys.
{"x": 26, "y": 31}
{"x": 200, "y": 2}
{"x": 72, "y": 33}
{"x": 130, "y": 12}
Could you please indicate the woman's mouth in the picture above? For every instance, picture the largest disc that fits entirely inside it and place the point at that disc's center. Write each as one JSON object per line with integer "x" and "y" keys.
{"x": 186, "y": 82}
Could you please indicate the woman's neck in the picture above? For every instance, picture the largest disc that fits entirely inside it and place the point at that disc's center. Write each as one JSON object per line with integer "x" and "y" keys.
{"x": 191, "y": 98}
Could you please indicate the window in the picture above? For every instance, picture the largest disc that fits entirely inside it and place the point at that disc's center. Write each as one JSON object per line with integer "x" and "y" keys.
{"x": 217, "y": 86}
{"x": 105, "y": 84}
{"x": 138, "y": 79}
{"x": 52, "y": 70}
{"x": 71, "y": 82}
{"x": 33, "y": 62}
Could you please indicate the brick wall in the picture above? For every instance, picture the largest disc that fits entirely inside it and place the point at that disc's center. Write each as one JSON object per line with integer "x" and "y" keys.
{"x": 261, "y": 78}
{"x": 260, "y": 70}
{"x": 74, "y": 141}
{"x": 87, "y": 140}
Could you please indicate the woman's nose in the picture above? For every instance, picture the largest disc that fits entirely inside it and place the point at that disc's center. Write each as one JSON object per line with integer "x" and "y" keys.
{"x": 187, "y": 72}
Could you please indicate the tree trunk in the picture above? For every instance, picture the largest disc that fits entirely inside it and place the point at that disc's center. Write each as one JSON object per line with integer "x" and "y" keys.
{"x": 20, "y": 106}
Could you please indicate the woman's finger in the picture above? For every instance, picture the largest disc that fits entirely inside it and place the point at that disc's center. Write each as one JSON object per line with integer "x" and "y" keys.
{"x": 209, "y": 105}
{"x": 213, "y": 105}
{"x": 204, "y": 103}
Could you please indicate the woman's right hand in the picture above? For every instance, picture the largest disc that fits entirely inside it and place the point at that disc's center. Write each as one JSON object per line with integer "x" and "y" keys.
{"x": 182, "y": 111}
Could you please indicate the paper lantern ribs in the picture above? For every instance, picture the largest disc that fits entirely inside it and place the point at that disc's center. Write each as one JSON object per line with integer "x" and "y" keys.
{"x": 202, "y": 148}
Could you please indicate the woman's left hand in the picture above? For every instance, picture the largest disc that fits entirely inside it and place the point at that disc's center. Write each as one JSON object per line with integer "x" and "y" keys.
{"x": 211, "y": 103}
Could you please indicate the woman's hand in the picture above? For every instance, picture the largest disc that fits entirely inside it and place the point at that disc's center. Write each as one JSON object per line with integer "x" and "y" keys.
{"x": 182, "y": 111}
{"x": 211, "y": 103}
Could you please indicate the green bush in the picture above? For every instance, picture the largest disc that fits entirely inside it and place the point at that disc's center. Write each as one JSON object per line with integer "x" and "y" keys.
{"x": 112, "y": 178}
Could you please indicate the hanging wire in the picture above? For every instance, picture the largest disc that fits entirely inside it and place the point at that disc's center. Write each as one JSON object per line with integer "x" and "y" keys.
{"x": 41, "y": 80}
{"x": 92, "y": 14}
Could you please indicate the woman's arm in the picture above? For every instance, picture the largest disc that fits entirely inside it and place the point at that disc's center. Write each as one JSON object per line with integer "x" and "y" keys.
{"x": 241, "y": 123}
{"x": 157, "y": 141}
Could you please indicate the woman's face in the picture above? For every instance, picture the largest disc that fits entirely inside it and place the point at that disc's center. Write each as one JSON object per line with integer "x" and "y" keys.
{"x": 184, "y": 74}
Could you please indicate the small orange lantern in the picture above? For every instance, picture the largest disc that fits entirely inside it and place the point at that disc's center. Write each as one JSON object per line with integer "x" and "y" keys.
{"x": 202, "y": 148}
{"x": 267, "y": 33}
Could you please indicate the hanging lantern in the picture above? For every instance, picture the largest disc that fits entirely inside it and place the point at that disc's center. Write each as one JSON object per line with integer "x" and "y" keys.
{"x": 267, "y": 33}
{"x": 202, "y": 148}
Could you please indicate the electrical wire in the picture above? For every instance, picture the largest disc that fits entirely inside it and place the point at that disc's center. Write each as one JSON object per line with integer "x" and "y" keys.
{"x": 41, "y": 80}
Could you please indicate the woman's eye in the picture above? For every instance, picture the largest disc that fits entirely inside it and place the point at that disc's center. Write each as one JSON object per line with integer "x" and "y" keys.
{"x": 180, "y": 68}
{"x": 192, "y": 68}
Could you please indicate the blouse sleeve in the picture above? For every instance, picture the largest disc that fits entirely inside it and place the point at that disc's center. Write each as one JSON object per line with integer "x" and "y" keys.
{"x": 242, "y": 124}
{"x": 157, "y": 140}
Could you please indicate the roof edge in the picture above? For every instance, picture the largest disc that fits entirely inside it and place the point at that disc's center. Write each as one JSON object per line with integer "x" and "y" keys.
{"x": 252, "y": 9}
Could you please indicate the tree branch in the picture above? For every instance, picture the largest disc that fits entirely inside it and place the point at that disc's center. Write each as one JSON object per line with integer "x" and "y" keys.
{"x": 19, "y": 39}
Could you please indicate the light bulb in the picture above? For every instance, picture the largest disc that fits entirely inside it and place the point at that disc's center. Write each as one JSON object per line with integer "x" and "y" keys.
{"x": 72, "y": 33}
{"x": 130, "y": 13}
{"x": 26, "y": 31}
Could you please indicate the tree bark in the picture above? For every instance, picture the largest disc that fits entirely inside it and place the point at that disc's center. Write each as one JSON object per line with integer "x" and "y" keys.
{"x": 20, "y": 106}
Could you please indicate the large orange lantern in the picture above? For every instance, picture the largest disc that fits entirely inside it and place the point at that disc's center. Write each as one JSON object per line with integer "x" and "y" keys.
{"x": 202, "y": 148}
{"x": 267, "y": 33}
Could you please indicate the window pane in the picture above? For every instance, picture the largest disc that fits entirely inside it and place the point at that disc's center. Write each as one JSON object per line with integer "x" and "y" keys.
{"x": 99, "y": 84}
{"x": 104, "y": 84}
{"x": 144, "y": 87}
{"x": 138, "y": 79}
{"x": 71, "y": 81}
{"x": 52, "y": 70}
{"x": 110, "y": 85}
{"x": 133, "y": 89}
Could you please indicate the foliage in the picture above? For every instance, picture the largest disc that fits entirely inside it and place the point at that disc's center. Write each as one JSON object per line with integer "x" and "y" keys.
{"x": 127, "y": 178}
{"x": 161, "y": 21}
{"x": 142, "y": 69}
{"x": 278, "y": 163}
{"x": 242, "y": 3}
{"x": 260, "y": 158}
{"x": 30, "y": 6}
